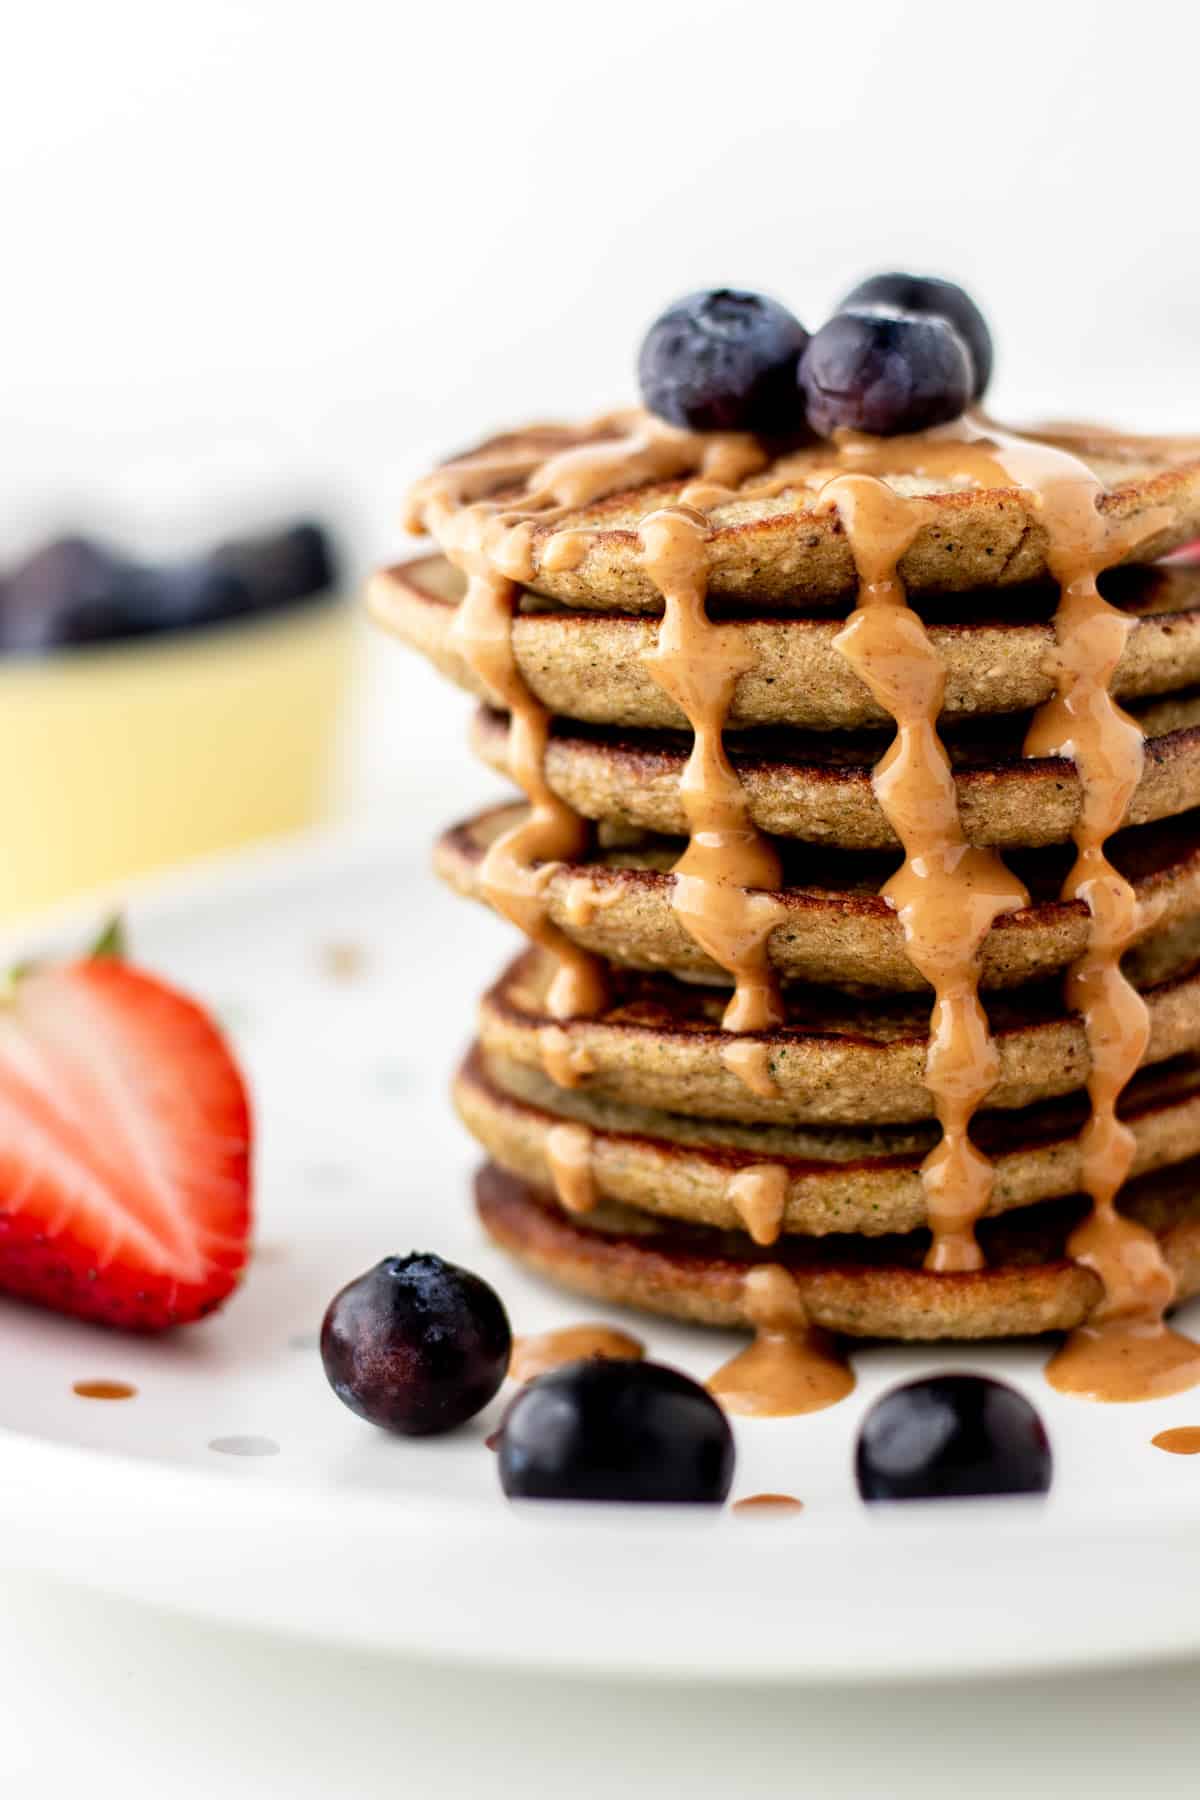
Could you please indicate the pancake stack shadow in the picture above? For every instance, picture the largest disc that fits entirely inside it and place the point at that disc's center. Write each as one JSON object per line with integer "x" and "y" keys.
{"x": 643, "y": 1154}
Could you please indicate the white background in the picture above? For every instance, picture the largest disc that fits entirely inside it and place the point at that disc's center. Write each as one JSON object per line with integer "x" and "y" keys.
{"x": 259, "y": 255}
{"x": 262, "y": 253}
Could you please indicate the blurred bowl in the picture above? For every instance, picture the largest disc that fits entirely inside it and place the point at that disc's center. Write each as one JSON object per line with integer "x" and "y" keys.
{"x": 128, "y": 757}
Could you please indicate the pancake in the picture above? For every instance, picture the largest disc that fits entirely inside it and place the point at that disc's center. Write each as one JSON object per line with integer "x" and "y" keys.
{"x": 838, "y": 1180}
{"x": 589, "y": 667}
{"x": 779, "y": 550}
{"x": 813, "y": 786}
{"x": 838, "y": 930}
{"x": 837, "y": 1060}
{"x": 862, "y": 1287}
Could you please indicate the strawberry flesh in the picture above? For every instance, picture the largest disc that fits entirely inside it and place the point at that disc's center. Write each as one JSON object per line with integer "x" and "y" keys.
{"x": 125, "y": 1138}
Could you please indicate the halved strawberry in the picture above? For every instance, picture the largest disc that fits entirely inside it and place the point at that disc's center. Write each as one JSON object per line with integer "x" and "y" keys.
{"x": 124, "y": 1148}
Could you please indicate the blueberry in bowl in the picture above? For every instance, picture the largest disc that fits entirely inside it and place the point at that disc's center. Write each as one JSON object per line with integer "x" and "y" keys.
{"x": 616, "y": 1431}
{"x": 948, "y": 1437}
{"x": 161, "y": 711}
{"x": 78, "y": 590}
{"x": 724, "y": 360}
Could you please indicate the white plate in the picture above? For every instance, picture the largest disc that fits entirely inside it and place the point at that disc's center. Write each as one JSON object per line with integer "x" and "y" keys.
{"x": 349, "y": 1536}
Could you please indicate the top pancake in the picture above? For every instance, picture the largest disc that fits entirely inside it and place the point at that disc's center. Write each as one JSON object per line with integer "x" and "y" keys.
{"x": 780, "y": 550}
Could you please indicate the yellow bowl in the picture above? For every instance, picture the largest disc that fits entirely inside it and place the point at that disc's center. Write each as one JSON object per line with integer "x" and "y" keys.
{"x": 128, "y": 757}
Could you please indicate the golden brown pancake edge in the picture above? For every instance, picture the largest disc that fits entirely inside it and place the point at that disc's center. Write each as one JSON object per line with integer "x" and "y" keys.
{"x": 1031, "y": 1287}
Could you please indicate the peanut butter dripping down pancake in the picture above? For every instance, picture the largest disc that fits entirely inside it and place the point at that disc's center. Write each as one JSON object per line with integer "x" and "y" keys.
{"x": 520, "y": 862}
{"x": 484, "y": 531}
{"x": 758, "y": 1194}
{"x": 792, "y": 1366}
{"x": 946, "y": 893}
{"x": 720, "y": 880}
{"x": 569, "y": 1154}
{"x": 1125, "y": 1351}
{"x": 725, "y": 881}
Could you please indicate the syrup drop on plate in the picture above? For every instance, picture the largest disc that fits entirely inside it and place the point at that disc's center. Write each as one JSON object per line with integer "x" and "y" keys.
{"x": 343, "y": 962}
{"x": 533, "y": 1356}
{"x": 768, "y": 1503}
{"x": 1180, "y": 1440}
{"x": 104, "y": 1390}
{"x": 1122, "y": 1361}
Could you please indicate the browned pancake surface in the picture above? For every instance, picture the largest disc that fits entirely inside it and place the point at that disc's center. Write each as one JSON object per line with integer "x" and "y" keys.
{"x": 818, "y": 787}
{"x": 786, "y": 551}
{"x": 839, "y": 1179}
{"x": 590, "y": 667}
{"x": 863, "y": 1287}
{"x": 837, "y": 929}
{"x": 838, "y": 1060}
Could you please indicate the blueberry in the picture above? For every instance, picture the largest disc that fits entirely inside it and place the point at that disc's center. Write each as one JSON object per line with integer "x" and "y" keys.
{"x": 416, "y": 1345}
{"x": 929, "y": 294}
{"x": 951, "y": 1436}
{"x": 601, "y": 1430}
{"x": 191, "y": 594}
{"x": 724, "y": 361}
{"x": 75, "y": 591}
{"x": 885, "y": 372}
{"x": 281, "y": 566}
{"x": 72, "y": 591}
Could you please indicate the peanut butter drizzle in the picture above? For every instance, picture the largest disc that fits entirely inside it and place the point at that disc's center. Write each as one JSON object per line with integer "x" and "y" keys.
{"x": 1180, "y": 1440}
{"x": 727, "y": 858}
{"x": 759, "y": 1195}
{"x": 583, "y": 899}
{"x": 768, "y": 1503}
{"x": 1124, "y": 1351}
{"x": 569, "y": 1154}
{"x": 750, "y": 1061}
{"x": 947, "y": 894}
{"x": 517, "y": 868}
{"x": 566, "y": 1064}
{"x": 487, "y": 534}
{"x": 791, "y": 1367}
{"x": 548, "y": 1350}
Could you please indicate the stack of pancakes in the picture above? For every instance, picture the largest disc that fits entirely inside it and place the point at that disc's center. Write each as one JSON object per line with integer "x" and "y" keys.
{"x": 643, "y": 1153}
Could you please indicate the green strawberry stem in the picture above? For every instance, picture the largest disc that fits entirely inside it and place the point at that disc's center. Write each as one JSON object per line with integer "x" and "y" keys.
{"x": 112, "y": 941}
{"x": 110, "y": 944}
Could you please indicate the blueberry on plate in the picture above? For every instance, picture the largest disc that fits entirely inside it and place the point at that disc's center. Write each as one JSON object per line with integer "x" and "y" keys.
{"x": 930, "y": 294}
{"x": 416, "y": 1345}
{"x": 885, "y": 372}
{"x": 724, "y": 361}
{"x": 601, "y": 1430}
{"x": 951, "y": 1437}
